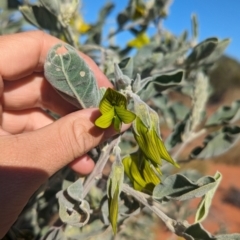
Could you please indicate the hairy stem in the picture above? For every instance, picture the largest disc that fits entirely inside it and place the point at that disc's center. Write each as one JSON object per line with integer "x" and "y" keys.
{"x": 97, "y": 171}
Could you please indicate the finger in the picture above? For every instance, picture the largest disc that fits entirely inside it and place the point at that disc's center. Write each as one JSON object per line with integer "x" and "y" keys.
{"x": 28, "y": 159}
{"x": 14, "y": 51}
{"x": 83, "y": 165}
{"x": 57, "y": 144}
{"x": 15, "y": 122}
{"x": 34, "y": 91}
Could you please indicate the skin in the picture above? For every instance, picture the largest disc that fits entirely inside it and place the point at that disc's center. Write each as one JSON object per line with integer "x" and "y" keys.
{"x": 33, "y": 146}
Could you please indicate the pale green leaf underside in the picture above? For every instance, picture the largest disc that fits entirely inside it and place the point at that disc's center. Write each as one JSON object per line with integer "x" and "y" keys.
{"x": 68, "y": 73}
{"x": 205, "y": 204}
{"x": 181, "y": 188}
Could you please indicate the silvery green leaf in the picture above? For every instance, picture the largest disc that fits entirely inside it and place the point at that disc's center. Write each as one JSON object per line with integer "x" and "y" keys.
{"x": 218, "y": 51}
{"x": 71, "y": 212}
{"x": 225, "y": 114}
{"x": 205, "y": 204}
{"x": 142, "y": 111}
{"x": 52, "y": 6}
{"x": 178, "y": 187}
{"x": 33, "y": 14}
{"x": 197, "y": 232}
{"x": 217, "y": 143}
{"x": 194, "y": 26}
{"x": 126, "y": 65}
{"x": 176, "y": 136}
{"x": 75, "y": 190}
{"x": 165, "y": 79}
{"x": 68, "y": 73}
{"x": 136, "y": 83}
{"x": 168, "y": 59}
{"x": 121, "y": 80}
{"x": 234, "y": 236}
{"x": 54, "y": 233}
{"x": 202, "y": 50}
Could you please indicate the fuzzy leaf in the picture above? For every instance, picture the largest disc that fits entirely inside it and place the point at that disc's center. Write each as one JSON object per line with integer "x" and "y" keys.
{"x": 197, "y": 232}
{"x": 206, "y": 201}
{"x": 217, "y": 143}
{"x": 234, "y": 236}
{"x": 33, "y": 14}
{"x": 194, "y": 26}
{"x": 75, "y": 190}
{"x": 114, "y": 189}
{"x": 166, "y": 79}
{"x": 68, "y": 73}
{"x": 71, "y": 212}
{"x": 181, "y": 188}
{"x": 126, "y": 65}
{"x": 225, "y": 114}
{"x": 218, "y": 51}
{"x": 55, "y": 233}
{"x": 202, "y": 50}
{"x": 52, "y": 6}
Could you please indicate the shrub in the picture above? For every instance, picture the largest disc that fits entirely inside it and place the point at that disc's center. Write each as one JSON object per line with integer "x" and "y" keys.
{"x": 142, "y": 179}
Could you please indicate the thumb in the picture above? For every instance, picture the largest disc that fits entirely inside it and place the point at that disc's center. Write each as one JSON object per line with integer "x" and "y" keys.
{"x": 56, "y": 145}
{"x": 28, "y": 159}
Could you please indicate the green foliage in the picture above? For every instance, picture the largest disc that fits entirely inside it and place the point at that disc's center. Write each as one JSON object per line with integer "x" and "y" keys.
{"x": 93, "y": 208}
{"x": 71, "y": 77}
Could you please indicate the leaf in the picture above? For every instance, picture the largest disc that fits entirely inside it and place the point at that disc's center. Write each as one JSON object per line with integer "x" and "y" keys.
{"x": 68, "y": 73}
{"x": 166, "y": 79}
{"x": 75, "y": 190}
{"x": 225, "y": 114}
{"x": 126, "y": 65}
{"x": 197, "y": 232}
{"x": 202, "y": 50}
{"x": 218, "y": 51}
{"x": 33, "y": 14}
{"x": 204, "y": 206}
{"x": 234, "y": 236}
{"x": 122, "y": 81}
{"x": 114, "y": 189}
{"x": 217, "y": 143}
{"x": 179, "y": 187}
{"x": 52, "y": 6}
{"x": 71, "y": 212}
{"x": 194, "y": 26}
{"x": 176, "y": 136}
{"x": 122, "y": 19}
{"x": 54, "y": 233}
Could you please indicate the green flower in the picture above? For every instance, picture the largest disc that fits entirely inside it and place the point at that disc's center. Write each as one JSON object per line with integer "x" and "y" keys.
{"x": 150, "y": 143}
{"x": 114, "y": 186}
{"x": 113, "y": 108}
{"x": 143, "y": 175}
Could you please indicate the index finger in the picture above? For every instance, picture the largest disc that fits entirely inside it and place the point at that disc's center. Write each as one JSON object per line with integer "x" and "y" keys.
{"x": 25, "y": 53}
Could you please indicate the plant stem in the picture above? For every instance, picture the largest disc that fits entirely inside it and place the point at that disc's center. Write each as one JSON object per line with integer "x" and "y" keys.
{"x": 185, "y": 143}
{"x": 97, "y": 171}
{"x": 173, "y": 225}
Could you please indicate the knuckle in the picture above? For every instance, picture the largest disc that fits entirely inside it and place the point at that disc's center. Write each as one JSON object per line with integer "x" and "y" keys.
{"x": 78, "y": 139}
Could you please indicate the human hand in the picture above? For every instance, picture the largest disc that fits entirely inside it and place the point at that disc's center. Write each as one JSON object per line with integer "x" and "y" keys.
{"x": 33, "y": 146}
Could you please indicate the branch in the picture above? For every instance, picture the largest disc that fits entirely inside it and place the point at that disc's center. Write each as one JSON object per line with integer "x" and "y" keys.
{"x": 185, "y": 143}
{"x": 97, "y": 171}
{"x": 174, "y": 226}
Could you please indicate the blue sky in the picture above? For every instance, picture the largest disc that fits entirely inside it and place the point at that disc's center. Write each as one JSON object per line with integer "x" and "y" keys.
{"x": 220, "y": 18}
